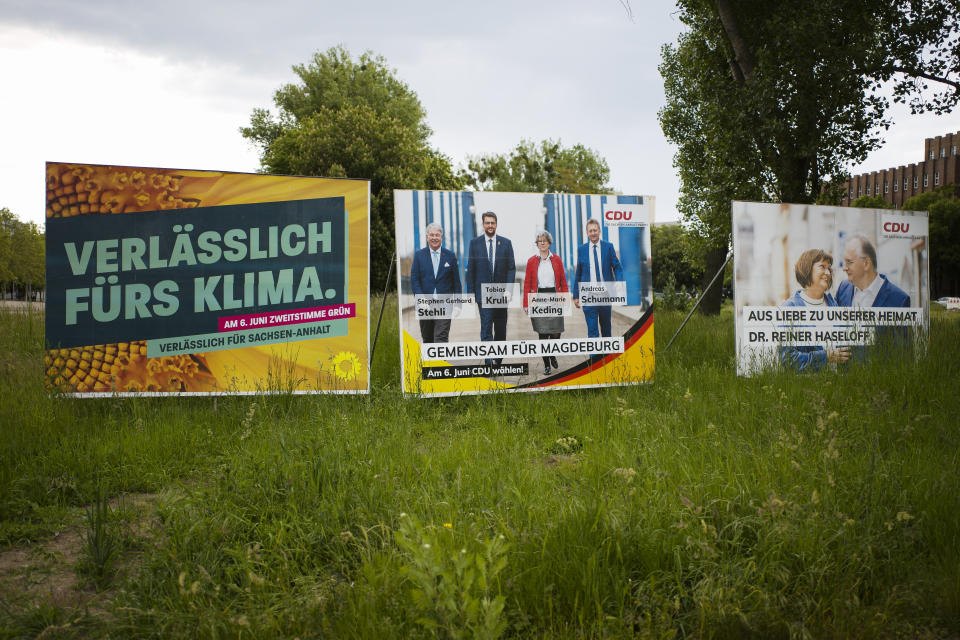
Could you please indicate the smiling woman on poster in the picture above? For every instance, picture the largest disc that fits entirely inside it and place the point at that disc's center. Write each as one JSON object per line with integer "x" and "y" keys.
{"x": 814, "y": 272}
{"x": 544, "y": 274}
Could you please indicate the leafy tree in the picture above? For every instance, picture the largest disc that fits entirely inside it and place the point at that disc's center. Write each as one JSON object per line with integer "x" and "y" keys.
{"x": 356, "y": 119}
{"x": 871, "y": 202}
{"x": 922, "y": 201}
{"x": 675, "y": 260}
{"x": 708, "y": 139}
{"x": 22, "y": 256}
{"x": 7, "y": 222}
{"x": 945, "y": 247}
{"x": 547, "y": 167}
{"x": 770, "y": 102}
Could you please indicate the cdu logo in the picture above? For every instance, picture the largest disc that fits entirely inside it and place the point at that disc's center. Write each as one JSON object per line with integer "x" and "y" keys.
{"x": 896, "y": 227}
{"x": 613, "y": 214}
{"x": 909, "y": 226}
{"x": 626, "y": 215}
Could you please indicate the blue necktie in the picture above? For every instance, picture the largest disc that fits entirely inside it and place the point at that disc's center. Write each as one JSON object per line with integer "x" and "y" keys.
{"x": 436, "y": 262}
{"x": 596, "y": 264}
{"x": 490, "y": 255}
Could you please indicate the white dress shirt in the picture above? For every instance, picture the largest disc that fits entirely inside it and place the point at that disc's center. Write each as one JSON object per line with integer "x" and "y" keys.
{"x": 546, "y": 278}
{"x": 594, "y": 276}
{"x": 866, "y": 297}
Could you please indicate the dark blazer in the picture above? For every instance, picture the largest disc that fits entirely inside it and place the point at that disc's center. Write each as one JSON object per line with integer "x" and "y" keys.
{"x": 478, "y": 265}
{"x": 890, "y": 295}
{"x": 610, "y": 267}
{"x": 448, "y": 273}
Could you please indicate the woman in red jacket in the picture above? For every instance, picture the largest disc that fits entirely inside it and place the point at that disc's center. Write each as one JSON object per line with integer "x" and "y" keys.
{"x": 545, "y": 274}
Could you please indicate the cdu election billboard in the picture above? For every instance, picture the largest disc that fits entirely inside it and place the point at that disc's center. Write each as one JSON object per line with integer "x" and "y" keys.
{"x": 523, "y": 291}
{"x": 824, "y": 287}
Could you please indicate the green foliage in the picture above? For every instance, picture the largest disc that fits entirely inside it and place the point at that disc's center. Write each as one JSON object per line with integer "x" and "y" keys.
{"x": 567, "y": 445}
{"x": 677, "y": 259}
{"x": 549, "y": 167}
{"x": 333, "y": 80}
{"x": 672, "y": 298}
{"x": 7, "y": 222}
{"x": 100, "y": 543}
{"x": 22, "y": 254}
{"x": 922, "y": 201}
{"x": 945, "y": 245}
{"x": 819, "y": 505}
{"x": 765, "y": 102}
{"x": 454, "y": 578}
{"x": 871, "y": 202}
{"x": 918, "y": 53}
{"x": 355, "y": 119}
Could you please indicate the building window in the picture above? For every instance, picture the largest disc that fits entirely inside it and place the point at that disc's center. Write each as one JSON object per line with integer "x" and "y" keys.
{"x": 895, "y": 184}
{"x": 905, "y": 184}
{"x": 886, "y": 187}
{"x": 851, "y": 193}
{"x": 926, "y": 180}
{"x": 915, "y": 178}
{"x": 932, "y": 154}
{"x": 943, "y": 152}
{"x": 936, "y": 178}
{"x": 876, "y": 189}
{"x": 953, "y": 152}
{"x": 859, "y": 191}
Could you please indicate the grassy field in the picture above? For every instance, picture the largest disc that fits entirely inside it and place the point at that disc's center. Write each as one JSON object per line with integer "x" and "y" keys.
{"x": 782, "y": 506}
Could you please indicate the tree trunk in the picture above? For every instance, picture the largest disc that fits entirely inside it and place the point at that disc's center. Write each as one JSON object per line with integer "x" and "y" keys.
{"x": 744, "y": 63}
{"x": 714, "y": 259}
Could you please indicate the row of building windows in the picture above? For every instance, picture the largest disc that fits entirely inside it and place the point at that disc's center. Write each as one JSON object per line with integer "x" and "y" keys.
{"x": 943, "y": 152}
{"x": 886, "y": 185}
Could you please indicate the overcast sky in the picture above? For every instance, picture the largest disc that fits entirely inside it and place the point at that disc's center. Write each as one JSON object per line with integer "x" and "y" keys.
{"x": 169, "y": 84}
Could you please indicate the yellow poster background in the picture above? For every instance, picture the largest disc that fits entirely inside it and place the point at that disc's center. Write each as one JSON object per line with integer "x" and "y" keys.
{"x": 335, "y": 365}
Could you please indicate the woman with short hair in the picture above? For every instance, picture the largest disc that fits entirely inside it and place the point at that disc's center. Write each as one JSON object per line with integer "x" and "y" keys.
{"x": 814, "y": 272}
{"x": 545, "y": 274}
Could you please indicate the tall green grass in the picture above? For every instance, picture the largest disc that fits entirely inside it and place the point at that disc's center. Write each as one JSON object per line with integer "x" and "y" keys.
{"x": 702, "y": 505}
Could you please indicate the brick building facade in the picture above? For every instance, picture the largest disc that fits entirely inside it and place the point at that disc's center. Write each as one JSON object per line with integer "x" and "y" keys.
{"x": 939, "y": 166}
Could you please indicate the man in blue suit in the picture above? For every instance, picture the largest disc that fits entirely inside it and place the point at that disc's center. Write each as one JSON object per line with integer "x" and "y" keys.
{"x": 596, "y": 262}
{"x": 490, "y": 260}
{"x": 434, "y": 270}
{"x": 864, "y": 287}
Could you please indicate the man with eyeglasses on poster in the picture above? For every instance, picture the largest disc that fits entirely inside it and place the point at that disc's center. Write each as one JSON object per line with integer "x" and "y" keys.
{"x": 865, "y": 287}
{"x": 490, "y": 261}
{"x": 434, "y": 271}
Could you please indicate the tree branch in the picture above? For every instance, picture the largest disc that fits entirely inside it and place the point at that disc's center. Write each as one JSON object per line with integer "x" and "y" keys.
{"x": 741, "y": 50}
{"x": 920, "y": 74}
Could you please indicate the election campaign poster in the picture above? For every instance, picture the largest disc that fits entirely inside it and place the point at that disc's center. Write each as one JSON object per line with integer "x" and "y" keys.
{"x": 523, "y": 291}
{"x": 169, "y": 281}
{"x": 823, "y": 287}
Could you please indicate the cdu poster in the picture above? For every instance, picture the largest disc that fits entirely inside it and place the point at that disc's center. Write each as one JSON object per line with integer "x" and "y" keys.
{"x": 823, "y": 287}
{"x": 523, "y": 291}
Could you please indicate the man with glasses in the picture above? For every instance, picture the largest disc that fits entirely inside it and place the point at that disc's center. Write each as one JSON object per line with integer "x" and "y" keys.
{"x": 864, "y": 287}
{"x": 434, "y": 271}
{"x": 490, "y": 261}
